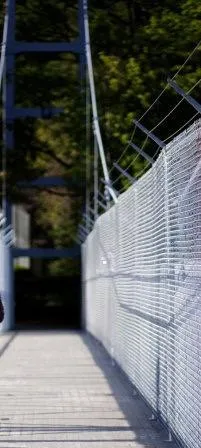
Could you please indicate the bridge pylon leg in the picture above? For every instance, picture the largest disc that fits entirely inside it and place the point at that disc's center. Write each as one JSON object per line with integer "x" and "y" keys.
{"x": 8, "y": 144}
{"x": 10, "y": 113}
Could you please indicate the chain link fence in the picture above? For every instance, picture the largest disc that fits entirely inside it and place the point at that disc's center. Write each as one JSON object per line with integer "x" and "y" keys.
{"x": 142, "y": 285}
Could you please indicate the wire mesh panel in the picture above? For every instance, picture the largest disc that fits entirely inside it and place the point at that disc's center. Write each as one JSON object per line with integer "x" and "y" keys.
{"x": 142, "y": 283}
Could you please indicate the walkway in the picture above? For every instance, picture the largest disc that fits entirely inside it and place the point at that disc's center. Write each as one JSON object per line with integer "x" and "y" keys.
{"x": 59, "y": 389}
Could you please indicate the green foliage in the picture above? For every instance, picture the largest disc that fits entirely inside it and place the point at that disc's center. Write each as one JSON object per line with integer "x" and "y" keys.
{"x": 64, "y": 267}
{"x": 135, "y": 46}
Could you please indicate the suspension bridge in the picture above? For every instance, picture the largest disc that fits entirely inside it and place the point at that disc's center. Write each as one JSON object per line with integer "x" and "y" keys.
{"x": 131, "y": 377}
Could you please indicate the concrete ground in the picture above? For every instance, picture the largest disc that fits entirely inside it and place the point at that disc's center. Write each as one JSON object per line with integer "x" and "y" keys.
{"x": 59, "y": 389}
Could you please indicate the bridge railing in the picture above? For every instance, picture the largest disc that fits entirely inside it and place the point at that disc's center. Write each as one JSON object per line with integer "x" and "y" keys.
{"x": 6, "y": 277}
{"x": 142, "y": 284}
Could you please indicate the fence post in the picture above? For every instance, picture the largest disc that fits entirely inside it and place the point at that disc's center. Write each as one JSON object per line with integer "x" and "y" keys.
{"x": 170, "y": 365}
{"x": 6, "y": 285}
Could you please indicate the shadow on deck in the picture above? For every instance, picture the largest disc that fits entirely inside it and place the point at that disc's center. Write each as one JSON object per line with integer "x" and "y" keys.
{"x": 61, "y": 388}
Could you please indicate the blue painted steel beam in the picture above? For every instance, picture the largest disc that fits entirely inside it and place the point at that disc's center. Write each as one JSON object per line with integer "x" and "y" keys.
{"x": 82, "y": 41}
{"x": 47, "y": 47}
{"x": 49, "y": 181}
{"x": 34, "y": 252}
{"x": 10, "y": 113}
{"x": 36, "y": 112}
{"x": 8, "y": 143}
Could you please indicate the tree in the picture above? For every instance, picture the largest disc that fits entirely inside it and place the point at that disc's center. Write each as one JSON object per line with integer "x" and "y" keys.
{"x": 135, "y": 46}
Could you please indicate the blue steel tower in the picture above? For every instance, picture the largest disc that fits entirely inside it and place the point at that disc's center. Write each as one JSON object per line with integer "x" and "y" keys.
{"x": 11, "y": 113}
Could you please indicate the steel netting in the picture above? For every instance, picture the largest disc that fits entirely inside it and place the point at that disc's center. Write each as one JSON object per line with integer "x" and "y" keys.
{"x": 142, "y": 284}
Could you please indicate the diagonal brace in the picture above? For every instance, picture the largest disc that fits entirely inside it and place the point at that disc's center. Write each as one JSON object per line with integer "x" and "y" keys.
{"x": 101, "y": 195}
{"x": 185, "y": 95}
{"x": 102, "y": 205}
{"x": 149, "y": 134}
{"x": 124, "y": 172}
{"x": 87, "y": 218}
{"x": 142, "y": 153}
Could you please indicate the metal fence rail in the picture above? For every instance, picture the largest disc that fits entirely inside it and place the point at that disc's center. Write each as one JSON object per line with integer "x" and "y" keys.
{"x": 142, "y": 284}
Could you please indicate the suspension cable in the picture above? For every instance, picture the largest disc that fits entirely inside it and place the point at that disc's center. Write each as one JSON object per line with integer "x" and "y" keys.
{"x": 94, "y": 103}
{"x": 88, "y": 154}
{"x": 3, "y": 49}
